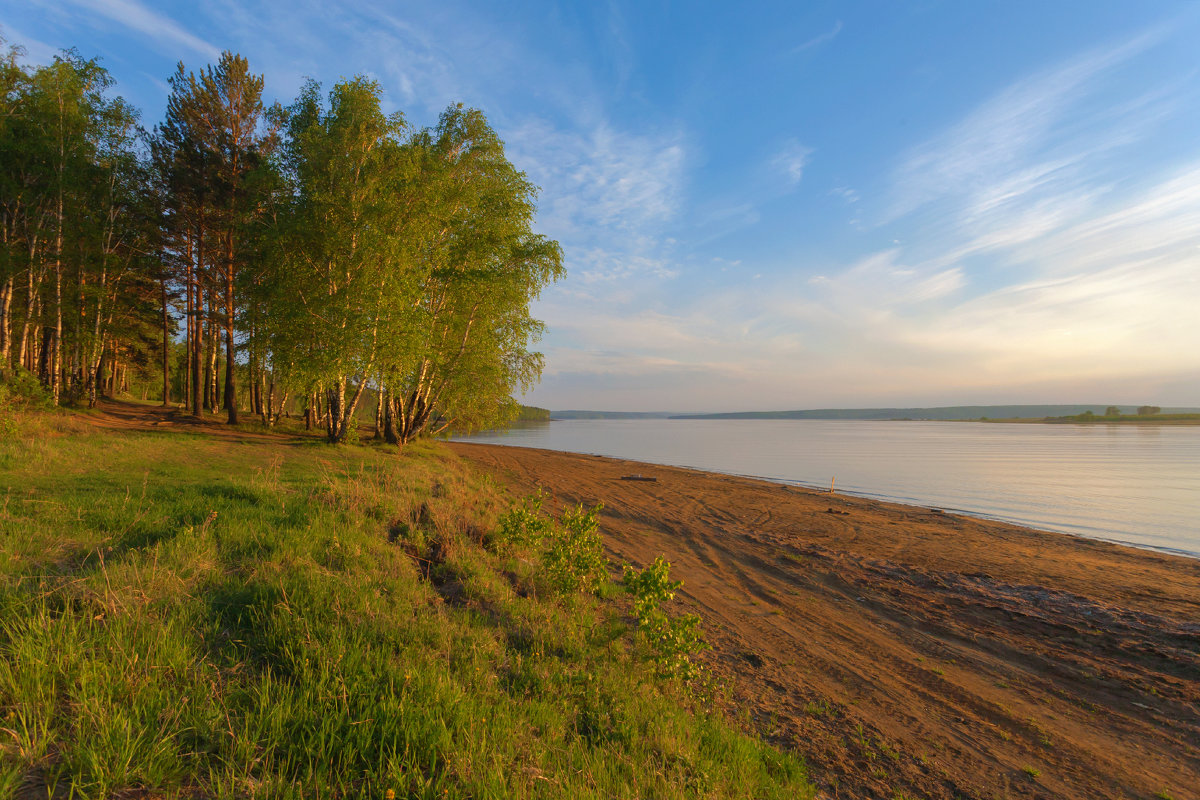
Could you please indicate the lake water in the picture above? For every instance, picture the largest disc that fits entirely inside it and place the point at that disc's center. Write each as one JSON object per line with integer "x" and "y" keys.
{"x": 1134, "y": 484}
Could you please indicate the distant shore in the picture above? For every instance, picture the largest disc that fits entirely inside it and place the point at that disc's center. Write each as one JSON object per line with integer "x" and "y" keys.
{"x": 1164, "y": 419}
{"x": 960, "y": 654}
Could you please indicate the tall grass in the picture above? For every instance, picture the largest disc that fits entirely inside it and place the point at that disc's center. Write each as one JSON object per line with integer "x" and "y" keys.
{"x": 189, "y": 616}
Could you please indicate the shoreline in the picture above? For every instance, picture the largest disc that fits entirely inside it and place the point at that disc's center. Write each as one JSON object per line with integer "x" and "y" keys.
{"x": 945, "y": 650}
{"x": 874, "y": 496}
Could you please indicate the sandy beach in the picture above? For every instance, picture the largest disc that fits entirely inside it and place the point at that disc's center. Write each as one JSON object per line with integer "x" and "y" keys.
{"x": 909, "y": 652}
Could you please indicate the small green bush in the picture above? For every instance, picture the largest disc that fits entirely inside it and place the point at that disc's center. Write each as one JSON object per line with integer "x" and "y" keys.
{"x": 575, "y": 561}
{"x": 20, "y": 393}
{"x": 523, "y": 525}
{"x": 671, "y": 641}
{"x": 21, "y": 390}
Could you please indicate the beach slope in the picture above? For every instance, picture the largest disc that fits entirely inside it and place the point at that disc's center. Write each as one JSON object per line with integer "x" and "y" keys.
{"x": 908, "y": 652}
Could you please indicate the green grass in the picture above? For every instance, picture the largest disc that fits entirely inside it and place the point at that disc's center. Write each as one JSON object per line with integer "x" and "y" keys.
{"x": 191, "y": 616}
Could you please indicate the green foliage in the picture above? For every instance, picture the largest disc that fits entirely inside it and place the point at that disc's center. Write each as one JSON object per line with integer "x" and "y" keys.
{"x": 404, "y": 259}
{"x": 533, "y": 414}
{"x": 571, "y": 559}
{"x": 1112, "y": 411}
{"x": 20, "y": 390}
{"x": 575, "y": 560}
{"x": 20, "y": 393}
{"x": 672, "y": 642}
{"x": 184, "y": 615}
{"x": 1148, "y": 411}
{"x": 524, "y": 525}
{"x": 78, "y": 217}
{"x": 651, "y": 587}
{"x": 330, "y": 244}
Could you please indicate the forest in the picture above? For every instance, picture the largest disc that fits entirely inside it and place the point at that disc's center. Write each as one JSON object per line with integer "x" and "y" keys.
{"x": 242, "y": 257}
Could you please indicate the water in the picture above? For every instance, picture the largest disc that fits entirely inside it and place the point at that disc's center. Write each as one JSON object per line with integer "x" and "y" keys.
{"x": 1134, "y": 484}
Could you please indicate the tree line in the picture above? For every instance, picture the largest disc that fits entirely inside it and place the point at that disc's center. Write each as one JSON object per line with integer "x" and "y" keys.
{"x": 260, "y": 257}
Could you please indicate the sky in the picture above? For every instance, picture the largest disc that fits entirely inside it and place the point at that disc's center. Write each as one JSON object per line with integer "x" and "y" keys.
{"x": 786, "y": 205}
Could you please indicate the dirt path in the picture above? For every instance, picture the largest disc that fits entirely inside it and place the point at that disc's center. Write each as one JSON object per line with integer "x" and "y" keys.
{"x": 124, "y": 415}
{"x": 909, "y": 653}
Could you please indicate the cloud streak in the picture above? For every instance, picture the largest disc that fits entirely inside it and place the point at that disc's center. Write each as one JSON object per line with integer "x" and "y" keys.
{"x": 1041, "y": 271}
{"x": 1023, "y": 139}
{"x": 161, "y": 29}
{"x": 791, "y": 160}
{"x": 819, "y": 40}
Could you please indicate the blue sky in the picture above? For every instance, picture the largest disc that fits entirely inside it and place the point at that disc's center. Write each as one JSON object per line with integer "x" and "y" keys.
{"x": 784, "y": 205}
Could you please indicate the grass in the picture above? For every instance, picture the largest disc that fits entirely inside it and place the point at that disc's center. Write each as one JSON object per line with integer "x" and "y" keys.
{"x": 186, "y": 615}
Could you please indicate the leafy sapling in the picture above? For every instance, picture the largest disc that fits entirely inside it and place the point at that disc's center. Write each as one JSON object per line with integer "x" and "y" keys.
{"x": 672, "y": 642}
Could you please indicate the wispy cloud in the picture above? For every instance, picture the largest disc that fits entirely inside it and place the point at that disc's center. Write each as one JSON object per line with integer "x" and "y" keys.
{"x": 620, "y": 181}
{"x": 821, "y": 39}
{"x": 36, "y": 52}
{"x": 163, "y": 30}
{"x": 1025, "y": 138}
{"x": 791, "y": 160}
{"x": 848, "y": 195}
{"x": 607, "y": 195}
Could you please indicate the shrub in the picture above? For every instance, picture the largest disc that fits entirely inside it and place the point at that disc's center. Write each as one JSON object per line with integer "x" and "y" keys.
{"x": 523, "y": 525}
{"x": 671, "y": 641}
{"x": 575, "y": 561}
{"x": 20, "y": 391}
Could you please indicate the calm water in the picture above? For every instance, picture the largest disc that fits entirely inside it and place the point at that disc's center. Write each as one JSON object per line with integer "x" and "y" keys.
{"x": 1133, "y": 484}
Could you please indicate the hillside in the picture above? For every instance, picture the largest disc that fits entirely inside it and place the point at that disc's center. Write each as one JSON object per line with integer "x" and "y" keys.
{"x": 196, "y": 610}
{"x": 576, "y": 414}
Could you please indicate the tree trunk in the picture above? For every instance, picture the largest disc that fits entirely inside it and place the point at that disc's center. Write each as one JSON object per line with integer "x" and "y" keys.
{"x": 210, "y": 357}
{"x": 378, "y": 411}
{"x": 166, "y": 341}
{"x": 55, "y": 365}
{"x": 197, "y": 323}
{"x": 6, "y": 294}
{"x": 335, "y": 397}
{"x": 230, "y": 348}
{"x": 390, "y": 434}
{"x": 24, "y": 351}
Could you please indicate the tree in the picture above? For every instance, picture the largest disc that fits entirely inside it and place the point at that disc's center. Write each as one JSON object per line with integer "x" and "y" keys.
{"x": 74, "y": 231}
{"x": 483, "y": 266}
{"x": 1148, "y": 411}
{"x": 1112, "y": 411}
{"x": 214, "y": 122}
{"x": 333, "y": 247}
{"x": 340, "y": 267}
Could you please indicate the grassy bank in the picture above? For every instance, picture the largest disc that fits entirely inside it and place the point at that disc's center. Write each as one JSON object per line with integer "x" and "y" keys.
{"x": 195, "y": 615}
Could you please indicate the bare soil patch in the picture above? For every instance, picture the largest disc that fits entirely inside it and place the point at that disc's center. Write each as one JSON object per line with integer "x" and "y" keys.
{"x": 911, "y": 653}
{"x": 123, "y": 415}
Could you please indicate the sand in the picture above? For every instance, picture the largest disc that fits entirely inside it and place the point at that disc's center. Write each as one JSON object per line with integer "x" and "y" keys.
{"x": 910, "y": 653}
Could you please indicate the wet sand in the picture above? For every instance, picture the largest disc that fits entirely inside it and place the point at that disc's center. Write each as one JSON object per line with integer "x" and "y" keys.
{"x": 911, "y": 653}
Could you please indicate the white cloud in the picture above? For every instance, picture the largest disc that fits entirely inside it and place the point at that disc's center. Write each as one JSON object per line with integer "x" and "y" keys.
{"x": 1028, "y": 137}
{"x": 820, "y": 39}
{"x": 791, "y": 160}
{"x": 163, "y": 30}
{"x": 607, "y": 196}
{"x": 621, "y": 182}
{"x": 36, "y": 52}
{"x": 848, "y": 195}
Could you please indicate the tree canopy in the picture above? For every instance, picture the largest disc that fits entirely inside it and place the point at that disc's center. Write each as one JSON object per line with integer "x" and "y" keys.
{"x": 320, "y": 252}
